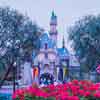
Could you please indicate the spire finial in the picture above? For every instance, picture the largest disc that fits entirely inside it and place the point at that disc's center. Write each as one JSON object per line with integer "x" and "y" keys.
{"x": 63, "y": 42}
{"x": 53, "y": 14}
{"x": 53, "y": 20}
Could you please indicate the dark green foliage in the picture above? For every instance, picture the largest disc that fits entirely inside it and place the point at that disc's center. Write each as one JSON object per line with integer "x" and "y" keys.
{"x": 85, "y": 35}
{"x": 18, "y": 38}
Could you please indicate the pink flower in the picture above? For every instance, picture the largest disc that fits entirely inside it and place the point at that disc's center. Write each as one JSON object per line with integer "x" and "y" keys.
{"x": 72, "y": 98}
{"x": 87, "y": 94}
{"x": 68, "y": 91}
{"x": 81, "y": 92}
{"x": 97, "y": 94}
{"x": 76, "y": 82}
{"x": 14, "y": 96}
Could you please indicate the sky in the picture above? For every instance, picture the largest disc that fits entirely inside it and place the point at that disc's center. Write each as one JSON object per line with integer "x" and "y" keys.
{"x": 68, "y": 11}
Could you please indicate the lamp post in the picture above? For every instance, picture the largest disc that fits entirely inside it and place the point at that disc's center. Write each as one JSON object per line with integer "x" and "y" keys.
{"x": 12, "y": 66}
{"x": 14, "y": 76}
{"x": 15, "y": 54}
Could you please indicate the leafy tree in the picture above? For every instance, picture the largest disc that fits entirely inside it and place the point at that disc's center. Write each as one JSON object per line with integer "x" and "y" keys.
{"x": 19, "y": 36}
{"x": 85, "y": 35}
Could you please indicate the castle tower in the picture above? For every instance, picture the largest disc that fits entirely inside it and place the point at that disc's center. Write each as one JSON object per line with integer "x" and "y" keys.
{"x": 53, "y": 27}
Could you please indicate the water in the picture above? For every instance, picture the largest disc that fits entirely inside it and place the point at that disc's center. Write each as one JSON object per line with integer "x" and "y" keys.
{"x": 6, "y": 92}
{"x": 5, "y": 96}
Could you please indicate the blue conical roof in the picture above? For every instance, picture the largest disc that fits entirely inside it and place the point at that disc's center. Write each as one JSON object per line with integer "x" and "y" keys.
{"x": 44, "y": 39}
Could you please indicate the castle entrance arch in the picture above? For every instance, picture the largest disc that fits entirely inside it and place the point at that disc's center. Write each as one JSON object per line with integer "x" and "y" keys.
{"x": 46, "y": 79}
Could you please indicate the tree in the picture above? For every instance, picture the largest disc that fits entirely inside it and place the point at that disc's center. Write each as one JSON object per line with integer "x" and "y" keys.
{"x": 18, "y": 38}
{"x": 85, "y": 35}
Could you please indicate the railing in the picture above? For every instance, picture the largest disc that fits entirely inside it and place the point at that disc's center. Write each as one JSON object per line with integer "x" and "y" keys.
{"x": 93, "y": 76}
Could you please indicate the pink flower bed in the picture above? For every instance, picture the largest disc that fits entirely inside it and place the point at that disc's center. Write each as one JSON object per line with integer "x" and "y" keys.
{"x": 74, "y": 90}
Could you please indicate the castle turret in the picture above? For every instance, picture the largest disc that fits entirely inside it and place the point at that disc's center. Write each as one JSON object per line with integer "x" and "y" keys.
{"x": 63, "y": 42}
{"x": 53, "y": 27}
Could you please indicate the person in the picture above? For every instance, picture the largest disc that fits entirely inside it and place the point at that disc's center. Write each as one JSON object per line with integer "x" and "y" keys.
{"x": 36, "y": 75}
{"x": 98, "y": 69}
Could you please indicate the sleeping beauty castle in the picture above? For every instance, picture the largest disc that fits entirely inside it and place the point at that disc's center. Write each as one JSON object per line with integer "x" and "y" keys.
{"x": 53, "y": 64}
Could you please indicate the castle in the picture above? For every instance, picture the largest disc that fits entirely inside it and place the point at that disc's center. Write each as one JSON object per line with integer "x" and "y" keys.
{"x": 52, "y": 64}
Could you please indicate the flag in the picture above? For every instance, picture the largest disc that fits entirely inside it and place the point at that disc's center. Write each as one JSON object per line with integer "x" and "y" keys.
{"x": 57, "y": 73}
{"x": 64, "y": 72}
